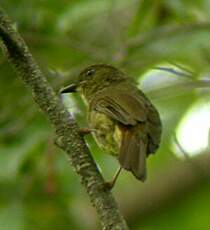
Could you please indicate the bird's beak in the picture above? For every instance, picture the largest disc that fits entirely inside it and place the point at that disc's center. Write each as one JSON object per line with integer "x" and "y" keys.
{"x": 69, "y": 89}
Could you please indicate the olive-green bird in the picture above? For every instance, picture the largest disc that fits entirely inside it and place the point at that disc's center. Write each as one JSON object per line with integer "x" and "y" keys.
{"x": 126, "y": 123}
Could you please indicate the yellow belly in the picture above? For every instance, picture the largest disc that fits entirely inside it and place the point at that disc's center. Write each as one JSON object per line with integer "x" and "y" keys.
{"x": 107, "y": 135}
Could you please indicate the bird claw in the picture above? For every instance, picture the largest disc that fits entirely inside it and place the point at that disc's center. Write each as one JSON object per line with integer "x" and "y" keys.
{"x": 108, "y": 185}
{"x": 86, "y": 130}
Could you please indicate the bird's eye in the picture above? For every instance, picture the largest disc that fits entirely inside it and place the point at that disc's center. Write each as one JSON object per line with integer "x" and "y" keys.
{"x": 90, "y": 72}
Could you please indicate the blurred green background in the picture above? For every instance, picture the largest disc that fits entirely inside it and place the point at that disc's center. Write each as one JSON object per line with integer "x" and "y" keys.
{"x": 38, "y": 188}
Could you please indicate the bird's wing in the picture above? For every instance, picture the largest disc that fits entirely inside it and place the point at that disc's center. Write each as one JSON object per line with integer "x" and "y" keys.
{"x": 128, "y": 108}
{"x": 124, "y": 107}
{"x": 140, "y": 122}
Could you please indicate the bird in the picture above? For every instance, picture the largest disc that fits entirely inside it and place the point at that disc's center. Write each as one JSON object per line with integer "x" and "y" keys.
{"x": 125, "y": 122}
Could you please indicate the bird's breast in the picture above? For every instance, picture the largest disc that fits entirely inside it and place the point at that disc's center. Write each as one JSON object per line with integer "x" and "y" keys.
{"x": 107, "y": 134}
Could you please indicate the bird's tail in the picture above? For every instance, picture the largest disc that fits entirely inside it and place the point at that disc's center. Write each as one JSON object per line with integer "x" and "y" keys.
{"x": 133, "y": 151}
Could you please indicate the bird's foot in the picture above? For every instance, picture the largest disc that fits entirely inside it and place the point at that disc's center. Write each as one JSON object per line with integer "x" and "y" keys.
{"x": 108, "y": 185}
{"x": 86, "y": 131}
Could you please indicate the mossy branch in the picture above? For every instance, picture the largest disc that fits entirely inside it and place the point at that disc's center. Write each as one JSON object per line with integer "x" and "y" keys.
{"x": 65, "y": 126}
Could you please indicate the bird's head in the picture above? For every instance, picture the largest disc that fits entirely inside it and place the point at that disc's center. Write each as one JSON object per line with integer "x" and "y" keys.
{"x": 94, "y": 79}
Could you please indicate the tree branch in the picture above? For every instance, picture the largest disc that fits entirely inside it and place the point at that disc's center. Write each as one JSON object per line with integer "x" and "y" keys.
{"x": 175, "y": 181}
{"x": 65, "y": 126}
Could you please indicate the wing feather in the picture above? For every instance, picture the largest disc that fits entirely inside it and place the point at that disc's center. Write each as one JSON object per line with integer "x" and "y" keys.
{"x": 121, "y": 106}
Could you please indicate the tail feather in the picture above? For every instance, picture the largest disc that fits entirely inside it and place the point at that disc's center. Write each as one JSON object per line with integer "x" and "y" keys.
{"x": 133, "y": 152}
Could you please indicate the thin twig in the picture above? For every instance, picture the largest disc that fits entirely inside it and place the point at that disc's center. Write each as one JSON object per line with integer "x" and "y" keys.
{"x": 173, "y": 71}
